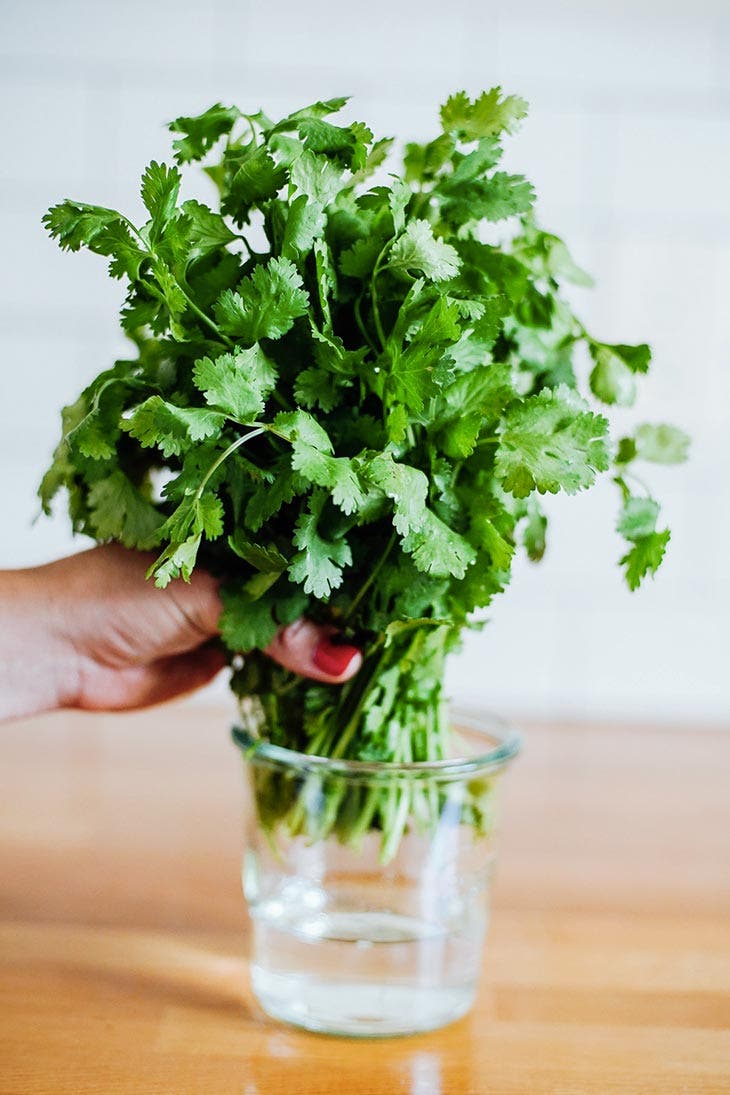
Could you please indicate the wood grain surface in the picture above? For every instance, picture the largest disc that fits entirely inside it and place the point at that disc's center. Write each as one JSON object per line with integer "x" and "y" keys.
{"x": 123, "y": 930}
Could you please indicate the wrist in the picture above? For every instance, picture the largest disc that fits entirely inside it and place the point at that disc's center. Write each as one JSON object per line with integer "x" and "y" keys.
{"x": 38, "y": 662}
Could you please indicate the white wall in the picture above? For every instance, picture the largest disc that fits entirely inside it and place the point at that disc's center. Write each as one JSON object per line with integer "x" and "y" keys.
{"x": 629, "y": 144}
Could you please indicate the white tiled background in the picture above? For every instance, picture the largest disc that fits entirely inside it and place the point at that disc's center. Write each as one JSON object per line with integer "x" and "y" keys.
{"x": 628, "y": 142}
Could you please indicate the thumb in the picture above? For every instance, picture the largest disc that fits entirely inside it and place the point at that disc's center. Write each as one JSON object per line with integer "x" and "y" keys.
{"x": 313, "y": 651}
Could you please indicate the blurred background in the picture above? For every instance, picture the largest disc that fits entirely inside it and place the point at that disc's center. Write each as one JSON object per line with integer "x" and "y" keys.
{"x": 628, "y": 144}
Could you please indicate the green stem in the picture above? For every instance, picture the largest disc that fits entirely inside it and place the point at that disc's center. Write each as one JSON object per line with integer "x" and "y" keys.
{"x": 374, "y": 294}
{"x": 361, "y": 325}
{"x": 206, "y": 319}
{"x": 224, "y": 456}
{"x": 370, "y": 579}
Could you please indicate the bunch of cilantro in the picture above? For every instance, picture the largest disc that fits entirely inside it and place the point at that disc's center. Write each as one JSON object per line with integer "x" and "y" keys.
{"x": 346, "y": 400}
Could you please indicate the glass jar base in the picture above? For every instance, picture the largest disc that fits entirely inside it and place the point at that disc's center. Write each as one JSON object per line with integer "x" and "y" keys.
{"x": 356, "y": 1009}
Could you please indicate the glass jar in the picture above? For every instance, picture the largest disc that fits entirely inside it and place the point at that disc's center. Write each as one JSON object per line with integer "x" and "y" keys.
{"x": 368, "y": 883}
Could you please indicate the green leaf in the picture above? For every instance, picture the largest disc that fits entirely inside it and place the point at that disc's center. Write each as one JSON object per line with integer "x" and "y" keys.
{"x": 316, "y": 178}
{"x": 319, "y": 563}
{"x": 415, "y": 375}
{"x": 319, "y": 388}
{"x": 119, "y": 511}
{"x": 547, "y": 256}
{"x": 492, "y": 199}
{"x": 257, "y": 179}
{"x": 638, "y": 518}
{"x": 399, "y": 196}
{"x": 247, "y": 622}
{"x": 238, "y": 383}
{"x": 337, "y": 473}
{"x": 611, "y": 380}
{"x": 103, "y": 231}
{"x": 533, "y": 532}
{"x": 198, "y": 515}
{"x": 661, "y": 444}
{"x": 207, "y": 232}
{"x": 267, "y": 559}
{"x": 437, "y": 549}
{"x": 160, "y": 189}
{"x": 406, "y": 487}
{"x": 488, "y": 115}
{"x": 423, "y": 161}
{"x": 305, "y": 222}
{"x": 266, "y": 304}
{"x": 418, "y": 249}
{"x": 267, "y": 499}
{"x": 201, "y": 132}
{"x": 397, "y": 423}
{"x": 359, "y": 260}
{"x": 321, "y": 109}
{"x": 645, "y": 557}
{"x": 551, "y": 442}
{"x": 346, "y": 143}
{"x": 440, "y": 324}
{"x": 636, "y": 358}
{"x": 172, "y": 429}
{"x": 300, "y": 426}
{"x": 178, "y": 561}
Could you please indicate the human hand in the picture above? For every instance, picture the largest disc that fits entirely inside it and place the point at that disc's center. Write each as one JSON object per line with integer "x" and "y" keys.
{"x": 89, "y": 631}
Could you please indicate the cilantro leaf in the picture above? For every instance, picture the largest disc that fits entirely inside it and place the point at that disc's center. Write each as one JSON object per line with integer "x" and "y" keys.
{"x": 268, "y": 560}
{"x": 638, "y": 518}
{"x": 171, "y": 428}
{"x": 316, "y": 178}
{"x": 492, "y": 199}
{"x": 103, "y": 231}
{"x": 645, "y": 557}
{"x": 661, "y": 444}
{"x": 339, "y": 474}
{"x": 533, "y": 532}
{"x": 200, "y": 133}
{"x": 160, "y": 189}
{"x": 318, "y": 565}
{"x": 267, "y": 499}
{"x": 265, "y": 305}
{"x": 611, "y": 380}
{"x": 437, "y": 549}
{"x": 488, "y": 115}
{"x": 305, "y": 223}
{"x": 207, "y": 232}
{"x": 414, "y": 375}
{"x": 407, "y": 487}
{"x": 247, "y": 622}
{"x": 551, "y": 442}
{"x": 236, "y": 383}
{"x": 418, "y": 249}
{"x": 119, "y": 511}
{"x": 256, "y": 179}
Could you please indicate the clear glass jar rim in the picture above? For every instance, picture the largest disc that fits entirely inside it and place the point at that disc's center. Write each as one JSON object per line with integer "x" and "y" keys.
{"x": 508, "y": 744}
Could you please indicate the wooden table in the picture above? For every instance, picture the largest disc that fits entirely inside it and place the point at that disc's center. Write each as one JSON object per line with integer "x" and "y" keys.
{"x": 123, "y": 932}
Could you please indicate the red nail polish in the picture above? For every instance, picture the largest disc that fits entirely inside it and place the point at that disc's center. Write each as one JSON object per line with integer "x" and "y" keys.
{"x": 333, "y": 658}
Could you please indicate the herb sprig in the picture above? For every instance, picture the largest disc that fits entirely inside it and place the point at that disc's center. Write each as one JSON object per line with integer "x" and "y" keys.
{"x": 356, "y": 423}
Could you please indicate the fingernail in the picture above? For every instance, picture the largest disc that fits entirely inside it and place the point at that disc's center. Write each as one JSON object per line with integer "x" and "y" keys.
{"x": 333, "y": 658}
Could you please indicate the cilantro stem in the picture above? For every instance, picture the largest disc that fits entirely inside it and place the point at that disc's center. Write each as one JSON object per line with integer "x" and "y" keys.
{"x": 224, "y": 456}
{"x": 638, "y": 480}
{"x": 361, "y": 325}
{"x": 370, "y": 579}
{"x": 206, "y": 319}
{"x": 374, "y": 294}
